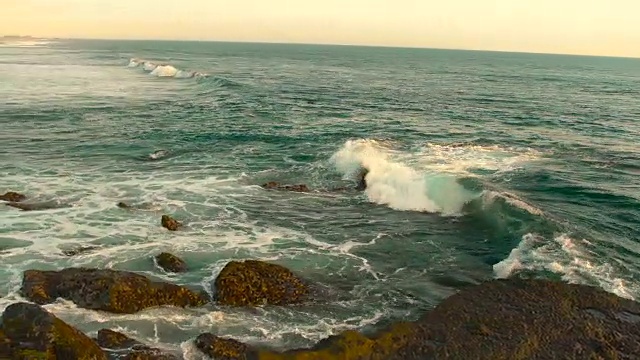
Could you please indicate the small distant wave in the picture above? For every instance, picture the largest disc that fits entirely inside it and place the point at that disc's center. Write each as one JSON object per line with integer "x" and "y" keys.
{"x": 393, "y": 182}
{"x": 491, "y": 196}
{"x": 568, "y": 257}
{"x": 164, "y": 70}
{"x": 36, "y": 43}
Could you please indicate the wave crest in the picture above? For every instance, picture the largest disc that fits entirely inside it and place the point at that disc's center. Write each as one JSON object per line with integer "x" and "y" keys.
{"x": 163, "y": 70}
{"x": 394, "y": 183}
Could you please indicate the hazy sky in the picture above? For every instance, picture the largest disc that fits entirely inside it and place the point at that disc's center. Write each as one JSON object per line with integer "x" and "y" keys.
{"x": 602, "y": 27}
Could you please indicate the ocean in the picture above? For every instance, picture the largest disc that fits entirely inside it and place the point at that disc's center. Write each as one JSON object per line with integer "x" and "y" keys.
{"x": 482, "y": 165}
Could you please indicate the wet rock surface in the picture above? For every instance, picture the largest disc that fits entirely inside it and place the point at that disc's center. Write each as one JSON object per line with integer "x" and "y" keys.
{"x": 255, "y": 283}
{"x": 121, "y": 347}
{"x": 501, "y": 319}
{"x": 107, "y": 290}
{"x": 28, "y": 332}
{"x": 170, "y": 223}
{"x": 272, "y": 185}
{"x": 12, "y": 196}
{"x": 170, "y": 263}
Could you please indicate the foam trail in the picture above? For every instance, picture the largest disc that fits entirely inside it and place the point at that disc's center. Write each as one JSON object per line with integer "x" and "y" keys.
{"x": 395, "y": 184}
{"x": 567, "y": 257}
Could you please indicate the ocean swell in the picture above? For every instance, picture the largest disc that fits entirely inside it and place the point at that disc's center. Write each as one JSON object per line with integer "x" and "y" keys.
{"x": 164, "y": 70}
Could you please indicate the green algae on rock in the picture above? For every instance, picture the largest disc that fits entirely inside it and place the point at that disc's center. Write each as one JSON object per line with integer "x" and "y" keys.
{"x": 28, "y": 332}
{"x": 107, "y": 290}
{"x": 122, "y": 347}
{"x": 500, "y": 319}
{"x": 254, "y": 283}
{"x": 170, "y": 263}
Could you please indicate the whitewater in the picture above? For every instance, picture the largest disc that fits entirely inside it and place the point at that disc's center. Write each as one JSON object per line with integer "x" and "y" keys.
{"x": 480, "y": 166}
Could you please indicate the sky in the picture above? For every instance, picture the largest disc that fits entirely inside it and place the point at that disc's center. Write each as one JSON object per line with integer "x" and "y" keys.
{"x": 588, "y": 27}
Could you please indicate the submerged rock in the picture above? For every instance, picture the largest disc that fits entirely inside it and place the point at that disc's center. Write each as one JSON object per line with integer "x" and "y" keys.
{"x": 254, "y": 283}
{"x": 121, "y": 347}
{"x": 29, "y": 332}
{"x": 12, "y": 196}
{"x": 272, "y": 185}
{"x": 107, "y": 290}
{"x": 171, "y": 263}
{"x": 79, "y": 250}
{"x": 500, "y": 319}
{"x": 123, "y": 205}
{"x": 37, "y": 206}
{"x": 170, "y": 223}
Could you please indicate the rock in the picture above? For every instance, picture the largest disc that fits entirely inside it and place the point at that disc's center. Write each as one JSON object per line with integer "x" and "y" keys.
{"x": 170, "y": 223}
{"x": 12, "y": 196}
{"x": 79, "y": 250}
{"x": 123, "y": 205}
{"x": 220, "y": 348}
{"x": 254, "y": 283}
{"x": 500, "y": 319}
{"x": 272, "y": 185}
{"x": 30, "y": 332}
{"x": 362, "y": 181}
{"x": 37, "y": 206}
{"x": 171, "y": 263}
{"x": 122, "y": 347}
{"x": 108, "y": 290}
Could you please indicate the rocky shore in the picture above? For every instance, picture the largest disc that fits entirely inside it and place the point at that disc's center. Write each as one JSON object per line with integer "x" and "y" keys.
{"x": 501, "y": 319}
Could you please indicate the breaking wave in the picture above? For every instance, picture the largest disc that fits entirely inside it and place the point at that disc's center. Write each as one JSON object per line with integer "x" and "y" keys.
{"x": 164, "y": 70}
{"x": 395, "y": 183}
{"x": 569, "y": 258}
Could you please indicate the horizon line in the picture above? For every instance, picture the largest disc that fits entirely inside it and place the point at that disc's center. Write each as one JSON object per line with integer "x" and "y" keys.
{"x": 275, "y": 42}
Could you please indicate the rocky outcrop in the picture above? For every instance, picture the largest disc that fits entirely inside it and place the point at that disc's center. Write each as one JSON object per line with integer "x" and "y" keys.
{"x": 170, "y": 263}
{"x": 501, "y": 319}
{"x": 107, "y": 290}
{"x": 121, "y": 347}
{"x": 170, "y": 223}
{"x": 28, "y": 332}
{"x": 272, "y": 185}
{"x": 254, "y": 283}
{"x": 12, "y": 196}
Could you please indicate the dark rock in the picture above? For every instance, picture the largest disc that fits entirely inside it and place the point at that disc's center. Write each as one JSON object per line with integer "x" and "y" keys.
{"x": 169, "y": 223}
{"x": 123, "y": 205}
{"x": 29, "y": 332}
{"x": 107, "y": 290}
{"x": 122, "y": 347}
{"x": 171, "y": 263}
{"x": 220, "y": 348}
{"x": 79, "y": 250}
{"x": 272, "y": 185}
{"x": 501, "y": 319}
{"x": 37, "y": 206}
{"x": 12, "y": 197}
{"x": 362, "y": 181}
{"x": 254, "y": 283}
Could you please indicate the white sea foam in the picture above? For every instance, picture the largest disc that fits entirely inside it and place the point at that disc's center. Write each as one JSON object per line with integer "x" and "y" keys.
{"x": 394, "y": 182}
{"x": 511, "y": 199}
{"x": 568, "y": 257}
{"x": 163, "y": 70}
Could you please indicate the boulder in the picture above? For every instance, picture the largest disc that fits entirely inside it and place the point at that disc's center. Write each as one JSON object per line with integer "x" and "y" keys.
{"x": 272, "y": 185}
{"x": 170, "y": 223}
{"x": 500, "y": 319}
{"x": 12, "y": 196}
{"x": 108, "y": 290}
{"x": 121, "y": 347}
{"x": 254, "y": 283}
{"x": 170, "y": 263}
{"x": 29, "y": 332}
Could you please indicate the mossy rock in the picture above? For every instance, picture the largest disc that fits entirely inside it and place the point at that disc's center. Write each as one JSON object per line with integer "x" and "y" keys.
{"x": 107, "y": 290}
{"x": 170, "y": 223}
{"x": 171, "y": 263}
{"x": 500, "y": 319}
{"x": 12, "y": 196}
{"x": 121, "y": 347}
{"x": 255, "y": 283}
{"x": 33, "y": 333}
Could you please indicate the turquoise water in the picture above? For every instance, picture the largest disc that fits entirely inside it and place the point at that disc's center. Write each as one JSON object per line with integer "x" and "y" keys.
{"x": 482, "y": 165}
